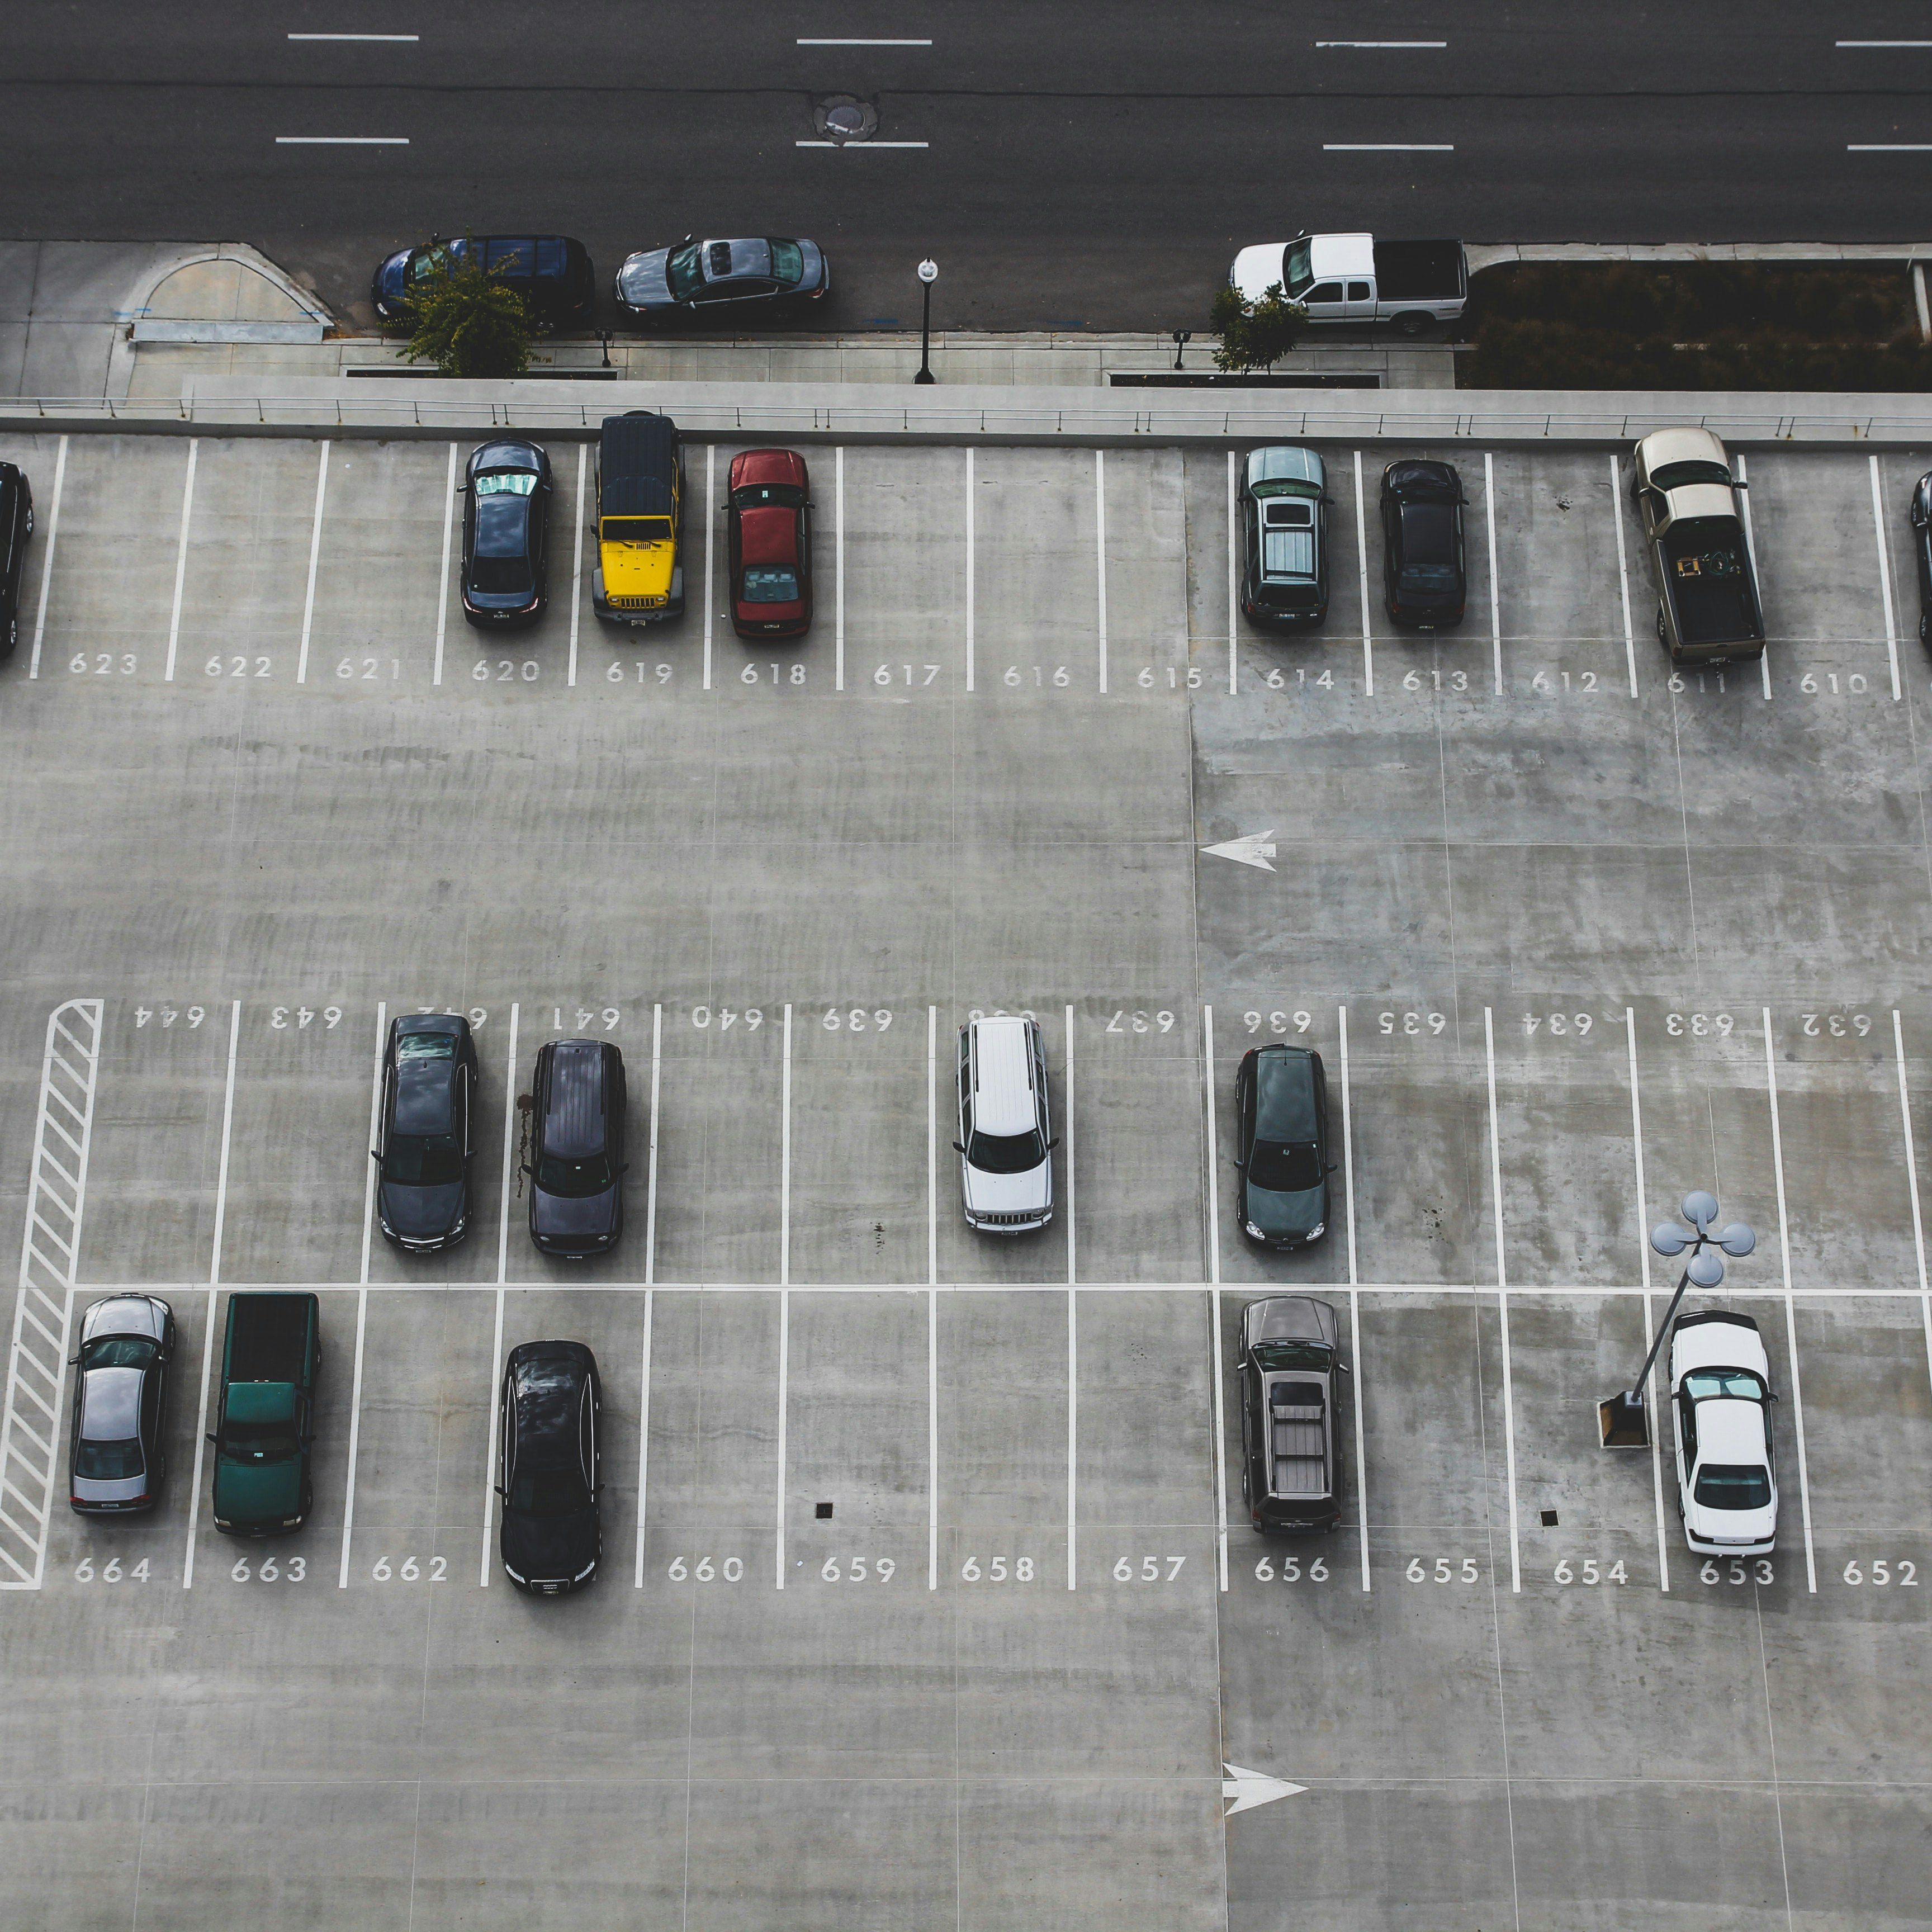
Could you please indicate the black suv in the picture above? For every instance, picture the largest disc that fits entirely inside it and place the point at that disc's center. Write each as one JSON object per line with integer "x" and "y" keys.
{"x": 576, "y": 1169}
{"x": 552, "y": 1535}
{"x": 1281, "y": 1109}
{"x": 428, "y": 1132}
{"x": 16, "y": 526}
{"x": 1425, "y": 580}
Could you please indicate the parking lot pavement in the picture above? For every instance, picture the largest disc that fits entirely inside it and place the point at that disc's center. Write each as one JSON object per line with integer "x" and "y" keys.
{"x": 1564, "y": 951}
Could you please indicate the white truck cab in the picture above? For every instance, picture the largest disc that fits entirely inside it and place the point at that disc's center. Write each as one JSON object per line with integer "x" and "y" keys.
{"x": 1355, "y": 278}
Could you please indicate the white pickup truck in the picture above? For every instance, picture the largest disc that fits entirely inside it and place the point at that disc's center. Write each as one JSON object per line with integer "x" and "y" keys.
{"x": 1355, "y": 278}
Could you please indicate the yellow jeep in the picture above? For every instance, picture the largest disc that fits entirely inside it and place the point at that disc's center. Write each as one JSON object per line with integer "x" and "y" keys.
{"x": 639, "y": 577}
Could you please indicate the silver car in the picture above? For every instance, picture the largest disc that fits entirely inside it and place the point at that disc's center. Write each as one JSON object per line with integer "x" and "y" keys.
{"x": 116, "y": 1456}
{"x": 1006, "y": 1140}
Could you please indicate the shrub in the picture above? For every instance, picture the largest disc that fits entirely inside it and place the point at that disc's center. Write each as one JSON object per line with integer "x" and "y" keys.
{"x": 1257, "y": 334}
{"x": 468, "y": 322}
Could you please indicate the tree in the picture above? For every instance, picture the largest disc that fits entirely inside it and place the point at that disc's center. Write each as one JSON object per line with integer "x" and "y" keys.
{"x": 466, "y": 321}
{"x": 1255, "y": 334}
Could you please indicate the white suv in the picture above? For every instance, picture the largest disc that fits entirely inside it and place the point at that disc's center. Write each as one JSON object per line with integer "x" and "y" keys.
{"x": 1720, "y": 1400}
{"x": 1006, "y": 1138}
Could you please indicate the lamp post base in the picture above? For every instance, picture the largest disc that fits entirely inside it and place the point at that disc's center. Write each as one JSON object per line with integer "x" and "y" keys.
{"x": 1625, "y": 1421}
{"x": 925, "y": 375}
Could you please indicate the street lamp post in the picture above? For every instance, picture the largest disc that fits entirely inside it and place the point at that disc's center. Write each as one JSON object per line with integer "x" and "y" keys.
{"x": 929, "y": 273}
{"x": 1622, "y": 1418}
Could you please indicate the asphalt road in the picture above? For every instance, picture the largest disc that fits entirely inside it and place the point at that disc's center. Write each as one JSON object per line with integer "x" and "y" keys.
{"x": 1082, "y": 165}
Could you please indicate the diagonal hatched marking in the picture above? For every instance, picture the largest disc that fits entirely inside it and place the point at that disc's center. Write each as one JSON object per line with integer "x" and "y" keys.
{"x": 56, "y": 1196}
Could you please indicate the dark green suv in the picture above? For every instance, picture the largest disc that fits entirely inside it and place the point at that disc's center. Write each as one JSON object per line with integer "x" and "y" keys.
{"x": 1284, "y": 517}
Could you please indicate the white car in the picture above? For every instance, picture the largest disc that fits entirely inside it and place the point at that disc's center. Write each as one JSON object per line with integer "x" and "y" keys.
{"x": 1721, "y": 1401}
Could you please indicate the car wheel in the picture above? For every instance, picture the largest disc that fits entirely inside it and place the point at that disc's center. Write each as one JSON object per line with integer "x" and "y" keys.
{"x": 1925, "y": 628}
{"x": 30, "y": 520}
{"x": 12, "y": 636}
{"x": 1412, "y": 325}
{"x": 1662, "y": 638}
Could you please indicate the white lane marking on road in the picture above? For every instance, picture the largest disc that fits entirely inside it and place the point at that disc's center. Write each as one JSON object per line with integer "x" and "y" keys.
{"x": 181, "y": 553}
{"x": 651, "y": 1165}
{"x": 1361, "y": 1396}
{"x": 710, "y": 546}
{"x": 1072, "y": 1322}
{"x": 1884, "y": 579}
{"x": 342, "y": 141}
{"x": 1233, "y": 593}
{"x": 1643, "y": 1268}
{"x": 1502, "y": 1303}
{"x": 362, "y": 1299}
{"x": 442, "y": 582}
{"x": 838, "y": 568}
{"x": 1381, "y": 43}
{"x": 868, "y": 43}
{"x": 47, "y": 557}
{"x": 510, "y": 1113}
{"x": 1100, "y": 555}
{"x": 1496, "y": 593}
{"x": 1750, "y": 552}
{"x": 1881, "y": 43}
{"x": 1888, "y": 148}
{"x": 1214, "y": 1293}
{"x": 1388, "y": 147}
{"x": 213, "y": 1286}
{"x": 644, "y": 1437}
{"x": 854, "y": 146}
{"x": 1623, "y": 573}
{"x": 1250, "y": 1788}
{"x": 576, "y": 559}
{"x": 1790, "y": 1311}
{"x": 397, "y": 37}
{"x": 970, "y": 613}
{"x": 1362, "y": 575}
{"x": 1911, "y": 1179}
{"x": 932, "y": 1297}
{"x": 1251, "y": 848}
{"x": 314, "y": 557}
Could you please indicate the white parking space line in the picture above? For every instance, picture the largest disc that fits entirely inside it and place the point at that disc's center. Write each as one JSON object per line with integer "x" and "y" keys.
{"x": 932, "y": 1145}
{"x": 1643, "y": 1268}
{"x": 1073, "y": 1327}
{"x": 1354, "y": 1304}
{"x": 314, "y": 556}
{"x": 1495, "y": 595}
{"x": 1750, "y": 550}
{"x": 1623, "y": 584}
{"x": 1502, "y": 1304}
{"x": 1911, "y": 1179}
{"x": 784, "y": 1419}
{"x": 969, "y": 569}
{"x": 1100, "y": 556}
{"x": 576, "y": 559}
{"x": 932, "y": 1297}
{"x": 1885, "y": 580}
{"x": 785, "y": 1163}
{"x": 1362, "y": 573}
{"x": 1233, "y": 593}
{"x": 362, "y": 1299}
{"x": 651, "y": 1166}
{"x": 47, "y": 557}
{"x": 442, "y": 583}
{"x": 1214, "y": 1296}
{"x": 644, "y": 1433}
{"x": 181, "y": 553}
{"x": 511, "y": 1112}
{"x": 1067, "y": 1133}
{"x": 214, "y": 1284}
{"x": 1790, "y": 1311}
{"x": 838, "y": 568}
{"x": 710, "y": 547}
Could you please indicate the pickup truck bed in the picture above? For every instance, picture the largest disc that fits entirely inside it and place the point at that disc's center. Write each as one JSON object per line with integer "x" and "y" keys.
{"x": 1710, "y": 586}
{"x": 1420, "y": 271}
{"x": 268, "y": 1337}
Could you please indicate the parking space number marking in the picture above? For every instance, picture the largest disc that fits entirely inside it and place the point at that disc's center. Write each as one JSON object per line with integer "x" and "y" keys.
{"x": 996, "y": 1571}
{"x": 110, "y": 1572}
{"x": 1290, "y": 1569}
{"x": 1737, "y": 1571}
{"x": 271, "y": 1571}
{"x": 410, "y": 1571}
{"x": 705, "y": 1571}
{"x": 1444, "y": 1571}
{"x": 1881, "y": 1573}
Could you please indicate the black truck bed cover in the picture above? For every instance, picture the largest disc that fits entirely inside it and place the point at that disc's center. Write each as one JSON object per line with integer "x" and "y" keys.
{"x": 268, "y": 1337}
{"x": 1419, "y": 271}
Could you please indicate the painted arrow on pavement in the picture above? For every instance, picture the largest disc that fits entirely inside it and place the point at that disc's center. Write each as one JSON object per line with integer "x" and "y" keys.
{"x": 1256, "y": 849}
{"x": 1250, "y": 1788}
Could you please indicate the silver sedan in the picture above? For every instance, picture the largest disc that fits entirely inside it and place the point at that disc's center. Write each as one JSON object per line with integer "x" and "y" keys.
{"x": 117, "y": 1456}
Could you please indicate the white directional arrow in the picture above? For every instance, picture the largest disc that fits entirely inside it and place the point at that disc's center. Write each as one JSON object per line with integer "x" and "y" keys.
{"x": 1256, "y": 849}
{"x": 1250, "y": 1788}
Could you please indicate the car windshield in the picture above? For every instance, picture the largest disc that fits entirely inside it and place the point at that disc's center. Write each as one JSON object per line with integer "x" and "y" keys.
{"x": 549, "y": 1493}
{"x": 574, "y": 1180}
{"x": 788, "y": 262}
{"x": 1700, "y": 1383}
{"x": 770, "y": 583}
{"x": 422, "y": 1160}
{"x": 1285, "y": 1167}
{"x": 258, "y": 1441}
{"x": 1676, "y": 476}
{"x": 117, "y": 1351}
{"x": 107, "y": 1462}
{"x": 428, "y": 263}
{"x": 752, "y": 496}
{"x": 507, "y": 483}
{"x": 1298, "y": 272}
{"x": 1734, "y": 1486}
{"x": 426, "y": 1046}
{"x": 1293, "y": 1355}
{"x": 634, "y": 530}
{"x": 682, "y": 270}
{"x": 1006, "y": 1154}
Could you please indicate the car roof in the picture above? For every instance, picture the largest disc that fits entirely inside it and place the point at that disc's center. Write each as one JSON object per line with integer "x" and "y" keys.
{"x": 768, "y": 534}
{"x": 767, "y": 466}
{"x": 1285, "y": 1093}
{"x": 548, "y": 1379}
{"x": 574, "y": 1124}
{"x": 1681, "y": 445}
{"x": 637, "y": 457}
{"x": 1291, "y": 1318}
{"x": 425, "y": 1096}
{"x": 1003, "y": 1100}
{"x": 1341, "y": 255}
{"x": 1730, "y": 1430}
{"x": 111, "y": 1405}
{"x": 728, "y": 260}
{"x": 1285, "y": 462}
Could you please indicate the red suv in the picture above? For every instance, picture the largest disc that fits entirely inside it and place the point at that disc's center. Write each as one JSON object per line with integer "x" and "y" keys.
{"x": 770, "y": 517}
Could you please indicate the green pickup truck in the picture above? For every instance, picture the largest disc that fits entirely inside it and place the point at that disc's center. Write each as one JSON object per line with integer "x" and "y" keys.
{"x": 266, "y": 1421}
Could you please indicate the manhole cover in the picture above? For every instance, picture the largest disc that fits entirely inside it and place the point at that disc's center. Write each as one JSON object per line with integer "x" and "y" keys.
{"x": 840, "y": 118}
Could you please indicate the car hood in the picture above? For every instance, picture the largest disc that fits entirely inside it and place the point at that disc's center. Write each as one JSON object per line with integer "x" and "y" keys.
{"x": 549, "y": 1548}
{"x": 257, "y": 1492}
{"x": 566, "y": 1215}
{"x": 421, "y": 1213}
{"x": 1010, "y": 1193}
{"x": 1283, "y": 1215}
{"x": 642, "y": 281}
{"x": 1256, "y": 270}
{"x": 389, "y": 275}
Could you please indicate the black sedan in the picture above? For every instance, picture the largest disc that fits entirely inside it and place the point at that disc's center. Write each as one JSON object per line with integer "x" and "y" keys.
{"x": 1281, "y": 1111}
{"x": 729, "y": 280}
{"x": 1922, "y": 549}
{"x": 116, "y": 1459}
{"x": 16, "y": 526}
{"x": 552, "y": 1535}
{"x": 1424, "y": 579}
{"x": 505, "y": 534}
{"x": 423, "y": 1202}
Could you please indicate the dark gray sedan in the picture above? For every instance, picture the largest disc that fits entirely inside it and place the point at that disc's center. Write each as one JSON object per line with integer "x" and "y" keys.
{"x": 116, "y": 1455}
{"x": 1281, "y": 1112}
{"x": 505, "y": 534}
{"x": 734, "y": 280}
{"x": 428, "y": 1132}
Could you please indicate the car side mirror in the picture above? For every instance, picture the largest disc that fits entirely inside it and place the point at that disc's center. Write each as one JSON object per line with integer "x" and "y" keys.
{"x": 463, "y": 489}
{"x": 1239, "y": 1162}
{"x": 1738, "y": 483}
{"x": 210, "y": 1438}
{"x": 306, "y": 1440}
{"x": 1332, "y": 1166}
{"x": 501, "y": 1491}
{"x": 1052, "y": 1144}
{"x": 958, "y": 1147}
{"x": 1345, "y": 1368}
{"x": 374, "y": 1155}
{"x": 523, "y": 1167}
